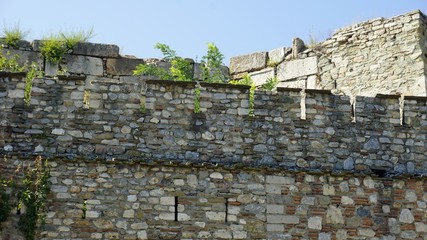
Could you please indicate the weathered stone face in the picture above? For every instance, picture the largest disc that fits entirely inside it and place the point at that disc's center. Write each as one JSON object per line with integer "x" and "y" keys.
{"x": 377, "y": 56}
{"x": 149, "y": 201}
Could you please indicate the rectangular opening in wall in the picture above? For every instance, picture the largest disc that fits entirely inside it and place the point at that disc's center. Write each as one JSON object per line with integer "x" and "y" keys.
{"x": 226, "y": 210}
{"x": 176, "y": 208}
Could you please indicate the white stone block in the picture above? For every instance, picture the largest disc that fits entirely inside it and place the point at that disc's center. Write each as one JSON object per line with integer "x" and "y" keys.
{"x": 297, "y": 68}
{"x": 261, "y": 77}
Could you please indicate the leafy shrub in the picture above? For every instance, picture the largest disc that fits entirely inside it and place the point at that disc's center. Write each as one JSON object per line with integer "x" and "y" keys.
{"x": 270, "y": 84}
{"x": 13, "y": 35}
{"x": 211, "y": 65}
{"x": 33, "y": 71}
{"x": 53, "y": 48}
{"x": 150, "y": 69}
{"x": 180, "y": 70}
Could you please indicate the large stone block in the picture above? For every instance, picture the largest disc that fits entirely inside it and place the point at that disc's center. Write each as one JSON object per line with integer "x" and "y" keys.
{"x": 260, "y": 77}
{"x": 84, "y": 65}
{"x": 96, "y": 50}
{"x": 283, "y": 219}
{"x": 248, "y": 63}
{"x": 23, "y": 57}
{"x": 297, "y": 68}
{"x": 292, "y": 84}
{"x": 122, "y": 66}
{"x": 278, "y": 55}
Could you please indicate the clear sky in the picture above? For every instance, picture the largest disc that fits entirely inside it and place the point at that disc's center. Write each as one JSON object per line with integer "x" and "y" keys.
{"x": 236, "y": 26}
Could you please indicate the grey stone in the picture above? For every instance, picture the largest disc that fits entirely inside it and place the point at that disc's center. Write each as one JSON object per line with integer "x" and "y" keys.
{"x": 122, "y": 66}
{"x": 324, "y": 236}
{"x": 23, "y": 57}
{"x": 277, "y": 55}
{"x": 248, "y": 63}
{"x": 408, "y": 234}
{"x": 18, "y": 93}
{"x": 334, "y": 215}
{"x": 406, "y": 216}
{"x": 84, "y": 65}
{"x": 96, "y": 50}
{"x": 284, "y": 219}
{"x": 315, "y": 223}
{"x": 297, "y": 46}
{"x": 372, "y": 144}
{"x": 51, "y": 69}
{"x": 349, "y": 164}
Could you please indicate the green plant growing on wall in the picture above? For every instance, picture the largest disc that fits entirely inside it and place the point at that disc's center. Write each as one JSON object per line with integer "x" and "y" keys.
{"x": 5, "y": 200}
{"x": 180, "y": 70}
{"x": 72, "y": 38}
{"x": 150, "y": 69}
{"x": 30, "y": 191}
{"x": 33, "y": 71}
{"x": 270, "y": 84}
{"x": 247, "y": 80}
{"x": 142, "y": 107}
{"x": 197, "y": 100}
{"x": 10, "y": 63}
{"x": 12, "y": 35}
{"x": 53, "y": 48}
{"x": 211, "y": 65}
{"x": 36, "y": 187}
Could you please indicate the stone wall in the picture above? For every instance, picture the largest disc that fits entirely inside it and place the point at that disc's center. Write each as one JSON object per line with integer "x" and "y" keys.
{"x": 384, "y": 56}
{"x": 169, "y": 201}
{"x": 126, "y": 118}
{"x": 308, "y": 165}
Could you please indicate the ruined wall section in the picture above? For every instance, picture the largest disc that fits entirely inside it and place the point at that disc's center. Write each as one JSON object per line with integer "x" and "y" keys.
{"x": 383, "y": 56}
{"x": 379, "y": 56}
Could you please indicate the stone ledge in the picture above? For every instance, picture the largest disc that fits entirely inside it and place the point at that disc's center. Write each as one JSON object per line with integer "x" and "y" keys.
{"x": 96, "y": 50}
{"x": 193, "y": 83}
{"x": 12, "y": 74}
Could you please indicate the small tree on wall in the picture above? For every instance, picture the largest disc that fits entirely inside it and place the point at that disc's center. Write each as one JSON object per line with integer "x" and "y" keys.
{"x": 30, "y": 191}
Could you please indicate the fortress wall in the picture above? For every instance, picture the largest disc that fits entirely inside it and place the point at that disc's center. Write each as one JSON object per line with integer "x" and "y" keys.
{"x": 127, "y": 118}
{"x": 307, "y": 165}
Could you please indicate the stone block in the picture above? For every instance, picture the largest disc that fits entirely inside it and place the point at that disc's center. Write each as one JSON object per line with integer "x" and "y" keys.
{"x": 276, "y": 209}
{"x": 260, "y": 77}
{"x": 285, "y": 219}
{"x": 297, "y": 68}
{"x": 84, "y": 65}
{"x": 51, "y": 69}
{"x": 122, "y": 66}
{"x": 18, "y": 93}
{"x": 248, "y": 63}
{"x": 279, "y": 180}
{"x": 215, "y": 216}
{"x": 278, "y": 55}
{"x": 23, "y": 57}
{"x": 96, "y": 50}
{"x": 315, "y": 223}
{"x": 292, "y": 84}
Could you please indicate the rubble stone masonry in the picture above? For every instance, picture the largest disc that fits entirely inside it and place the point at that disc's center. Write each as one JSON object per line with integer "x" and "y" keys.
{"x": 309, "y": 164}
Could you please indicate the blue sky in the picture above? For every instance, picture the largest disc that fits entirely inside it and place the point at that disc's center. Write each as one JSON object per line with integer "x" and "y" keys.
{"x": 235, "y": 26}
